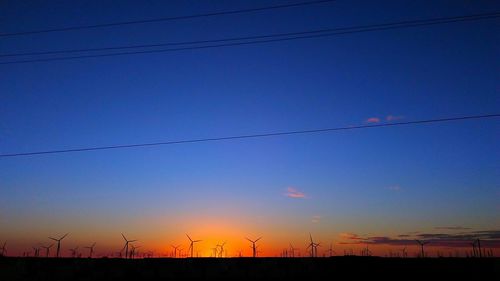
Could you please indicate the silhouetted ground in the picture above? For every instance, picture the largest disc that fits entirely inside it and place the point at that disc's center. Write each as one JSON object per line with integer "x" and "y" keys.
{"x": 248, "y": 268}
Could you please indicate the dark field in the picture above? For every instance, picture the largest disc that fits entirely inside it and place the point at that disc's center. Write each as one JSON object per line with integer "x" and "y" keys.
{"x": 247, "y": 268}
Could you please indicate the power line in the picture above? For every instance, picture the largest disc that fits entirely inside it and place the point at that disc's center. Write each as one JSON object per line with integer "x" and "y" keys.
{"x": 327, "y": 32}
{"x": 164, "y": 19}
{"x": 260, "y": 39}
{"x": 272, "y": 134}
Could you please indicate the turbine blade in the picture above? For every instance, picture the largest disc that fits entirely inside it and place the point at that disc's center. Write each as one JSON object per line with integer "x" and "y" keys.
{"x": 63, "y": 236}
{"x": 53, "y": 239}
{"x": 132, "y": 241}
{"x": 93, "y": 245}
{"x": 258, "y": 239}
{"x": 197, "y": 241}
{"x": 124, "y": 237}
{"x": 248, "y": 239}
{"x": 189, "y": 238}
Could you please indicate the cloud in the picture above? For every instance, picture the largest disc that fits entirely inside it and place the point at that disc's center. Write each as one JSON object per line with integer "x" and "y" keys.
{"x": 394, "y": 188}
{"x": 393, "y": 118}
{"x": 489, "y": 239}
{"x": 350, "y": 236}
{"x": 373, "y": 120}
{"x": 316, "y": 219}
{"x": 452, "y": 228}
{"x": 294, "y": 193}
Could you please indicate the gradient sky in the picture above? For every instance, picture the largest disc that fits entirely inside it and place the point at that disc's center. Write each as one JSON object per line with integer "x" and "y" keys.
{"x": 433, "y": 179}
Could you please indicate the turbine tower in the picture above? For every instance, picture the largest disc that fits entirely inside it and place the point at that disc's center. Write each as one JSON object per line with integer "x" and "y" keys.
{"x": 126, "y": 245}
{"x": 191, "y": 245}
{"x": 254, "y": 248}
{"x": 58, "y": 243}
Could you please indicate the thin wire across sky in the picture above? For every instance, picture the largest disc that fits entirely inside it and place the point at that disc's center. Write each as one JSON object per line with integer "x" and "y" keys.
{"x": 248, "y": 136}
{"x": 235, "y": 41}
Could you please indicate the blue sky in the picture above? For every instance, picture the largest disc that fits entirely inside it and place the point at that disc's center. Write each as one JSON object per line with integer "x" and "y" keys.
{"x": 380, "y": 181}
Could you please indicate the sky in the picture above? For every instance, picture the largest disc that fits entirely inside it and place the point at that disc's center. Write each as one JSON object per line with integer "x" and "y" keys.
{"x": 376, "y": 187}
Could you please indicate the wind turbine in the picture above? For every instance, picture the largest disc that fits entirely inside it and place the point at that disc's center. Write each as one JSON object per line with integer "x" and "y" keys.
{"x": 313, "y": 246}
{"x": 126, "y": 245}
{"x": 422, "y": 244}
{"x": 222, "y": 249}
{"x": 37, "y": 252}
{"x": 74, "y": 252}
{"x": 331, "y": 251}
{"x": 254, "y": 249}
{"x": 3, "y": 250}
{"x": 58, "y": 243}
{"x": 292, "y": 250}
{"x": 47, "y": 249}
{"x": 132, "y": 252}
{"x": 479, "y": 247}
{"x": 191, "y": 245}
{"x": 175, "y": 249}
{"x": 91, "y": 250}
{"x": 404, "y": 254}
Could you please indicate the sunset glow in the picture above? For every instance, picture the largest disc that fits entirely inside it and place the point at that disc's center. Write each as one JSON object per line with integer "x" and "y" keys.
{"x": 288, "y": 123}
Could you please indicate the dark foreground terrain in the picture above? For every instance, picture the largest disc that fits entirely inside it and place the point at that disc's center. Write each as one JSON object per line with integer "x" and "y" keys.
{"x": 353, "y": 268}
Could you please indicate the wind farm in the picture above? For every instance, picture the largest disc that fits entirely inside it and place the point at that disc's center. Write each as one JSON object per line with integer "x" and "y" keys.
{"x": 261, "y": 140}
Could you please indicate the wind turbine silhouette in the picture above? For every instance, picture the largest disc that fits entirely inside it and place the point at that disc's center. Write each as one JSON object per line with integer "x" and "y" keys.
{"x": 479, "y": 247}
{"x": 404, "y": 254}
{"x": 330, "y": 250}
{"x": 58, "y": 243}
{"x": 3, "y": 249}
{"x": 313, "y": 246}
{"x": 221, "y": 249}
{"x": 91, "y": 250}
{"x": 422, "y": 244}
{"x": 215, "y": 250}
{"x": 175, "y": 249}
{"x": 254, "y": 249}
{"x": 132, "y": 252}
{"x": 292, "y": 250}
{"x": 47, "y": 249}
{"x": 37, "y": 252}
{"x": 126, "y": 245}
{"x": 191, "y": 245}
{"x": 74, "y": 252}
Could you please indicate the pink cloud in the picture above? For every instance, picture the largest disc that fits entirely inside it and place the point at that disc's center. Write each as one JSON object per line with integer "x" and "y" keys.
{"x": 316, "y": 219}
{"x": 393, "y": 117}
{"x": 373, "y": 120}
{"x": 294, "y": 193}
{"x": 394, "y": 187}
{"x": 350, "y": 236}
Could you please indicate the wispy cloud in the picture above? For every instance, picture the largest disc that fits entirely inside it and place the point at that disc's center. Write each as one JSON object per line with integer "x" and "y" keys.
{"x": 350, "y": 236}
{"x": 294, "y": 193}
{"x": 393, "y": 118}
{"x": 373, "y": 120}
{"x": 394, "y": 188}
{"x": 316, "y": 219}
{"x": 452, "y": 228}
